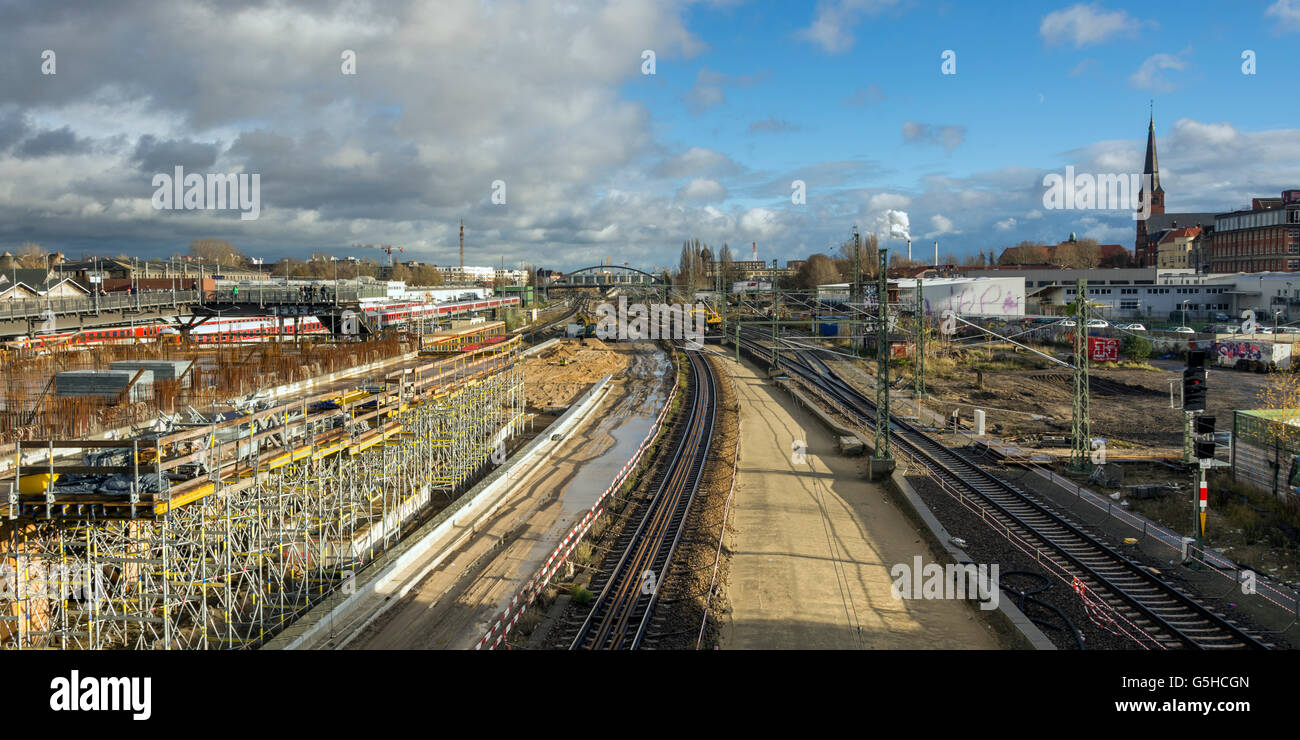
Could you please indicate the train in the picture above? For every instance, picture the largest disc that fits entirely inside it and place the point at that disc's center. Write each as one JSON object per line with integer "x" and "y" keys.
{"x": 249, "y": 328}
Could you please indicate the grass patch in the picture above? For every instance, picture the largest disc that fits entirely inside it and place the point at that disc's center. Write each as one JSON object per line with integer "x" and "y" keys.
{"x": 580, "y": 595}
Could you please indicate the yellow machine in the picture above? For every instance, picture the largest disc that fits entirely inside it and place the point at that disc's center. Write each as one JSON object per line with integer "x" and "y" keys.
{"x": 710, "y": 316}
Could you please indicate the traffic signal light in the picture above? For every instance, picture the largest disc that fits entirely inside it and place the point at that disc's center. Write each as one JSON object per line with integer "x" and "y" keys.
{"x": 1204, "y": 424}
{"x": 1194, "y": 389}
{"x": 1204, "y": 444}
{"x": 1195, "y": 358}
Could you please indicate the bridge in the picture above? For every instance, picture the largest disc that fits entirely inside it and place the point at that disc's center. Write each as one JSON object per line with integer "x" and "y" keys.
{"x": 606, "y": 276}
{"x": 62, "y": 314}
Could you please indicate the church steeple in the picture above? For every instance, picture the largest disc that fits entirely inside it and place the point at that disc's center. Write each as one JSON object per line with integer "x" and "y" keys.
{"x": 1152, "y": 167}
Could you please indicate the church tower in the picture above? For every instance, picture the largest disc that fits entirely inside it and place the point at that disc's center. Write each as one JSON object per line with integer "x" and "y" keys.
{"x": 1150, "y": 174}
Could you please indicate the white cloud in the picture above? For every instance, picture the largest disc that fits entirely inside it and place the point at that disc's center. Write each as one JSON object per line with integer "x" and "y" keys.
{"x": 887, "y": 201}
{"x": 941, "y": 225}
{"x": 1086, "y": 24}
{"x": 1150, "y": 76}
{"x": 702, "y": 190}
{"x": 834, "y": 20}
{"x": 949, "y": 137}
{"x": 761, "y": 224}
{"x": 710, "y": 88}
{"x": 1006, "y": 224}
{"x": 1287, "y": 14}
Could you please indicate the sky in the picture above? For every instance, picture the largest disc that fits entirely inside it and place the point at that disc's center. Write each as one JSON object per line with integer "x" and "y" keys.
{"x": 568, "y": 133}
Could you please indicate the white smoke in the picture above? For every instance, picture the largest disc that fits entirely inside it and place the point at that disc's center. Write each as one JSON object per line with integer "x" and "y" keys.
{"x": 893, "y": 224}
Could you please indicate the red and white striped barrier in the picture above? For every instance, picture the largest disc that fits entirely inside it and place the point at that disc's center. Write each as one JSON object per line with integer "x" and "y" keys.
{"x": 496, "y": 633}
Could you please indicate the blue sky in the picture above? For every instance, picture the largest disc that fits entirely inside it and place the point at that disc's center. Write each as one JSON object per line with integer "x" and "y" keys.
{"x": 601, "y": 161}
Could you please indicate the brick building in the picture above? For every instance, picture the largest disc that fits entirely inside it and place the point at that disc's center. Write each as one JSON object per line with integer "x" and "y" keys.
{"x": 1264, "y": 238}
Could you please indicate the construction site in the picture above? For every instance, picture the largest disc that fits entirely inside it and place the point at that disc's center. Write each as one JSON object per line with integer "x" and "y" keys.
{"x": 168, "y": 496}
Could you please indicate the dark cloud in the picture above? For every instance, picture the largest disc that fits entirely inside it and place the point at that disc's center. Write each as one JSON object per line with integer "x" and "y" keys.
{"x": 153, "y": 155}
{"x": 51, "y": 143}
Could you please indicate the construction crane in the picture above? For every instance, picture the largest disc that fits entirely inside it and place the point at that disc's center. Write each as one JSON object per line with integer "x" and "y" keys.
{"x": 388, "y": 249}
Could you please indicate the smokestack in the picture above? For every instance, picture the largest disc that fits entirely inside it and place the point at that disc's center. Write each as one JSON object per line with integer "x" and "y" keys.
{"x": 936, "y": 253}
{"x": 755, "y": 251}
{"x": 909, "y": 249}
{"x": 462, "y": 249}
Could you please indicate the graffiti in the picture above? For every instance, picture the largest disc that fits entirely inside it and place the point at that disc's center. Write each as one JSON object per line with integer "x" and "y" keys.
{"x": 986, "y": 300}
{"x": 1240, "y": 351}
{"x": 1103, "y": 349}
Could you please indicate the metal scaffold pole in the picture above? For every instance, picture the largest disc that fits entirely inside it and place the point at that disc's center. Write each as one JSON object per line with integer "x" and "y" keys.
{"x": 1081, "y": 439}
{"x": 282, "y": 526}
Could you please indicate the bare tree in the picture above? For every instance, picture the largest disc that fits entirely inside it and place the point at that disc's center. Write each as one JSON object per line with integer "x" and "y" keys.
{"x": 218, "y": 251}
{"x": 32, "y": 256}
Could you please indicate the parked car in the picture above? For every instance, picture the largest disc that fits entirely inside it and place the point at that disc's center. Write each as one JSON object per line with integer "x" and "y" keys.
{"x": 1067, "y": 322}
{"x": 1220, "y": 317}
{"x": 1098, "y": 324}
{"x": 1132, "y": 327}
{"x": 1183, "y": 330}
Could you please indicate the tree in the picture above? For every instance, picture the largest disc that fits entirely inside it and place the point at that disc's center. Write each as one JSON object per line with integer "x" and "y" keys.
{"x": 868, "y": 257}
{"x": 1136, "y": 348}
{"x": 690, "y": 267}
{"x": 726, "y": 265}
{"x": 818, "y": 269}
{"x": 218, "y": 251}
{"x": 1081, "y": 254}
{"x": 31, "y": 256}
{"x": 1024, "y": 253}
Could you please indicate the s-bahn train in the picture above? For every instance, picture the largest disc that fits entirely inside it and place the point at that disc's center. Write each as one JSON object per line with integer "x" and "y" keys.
{"x": 250, "y": 328}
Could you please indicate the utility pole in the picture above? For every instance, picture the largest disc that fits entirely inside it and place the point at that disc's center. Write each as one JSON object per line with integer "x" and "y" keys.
{"x": 920, "y": 348}
{"x": 882, "y": 461}
{"x": 775, "y": 363}
{"x": 855, "y": 295}
{"x": 1081, "y": 452}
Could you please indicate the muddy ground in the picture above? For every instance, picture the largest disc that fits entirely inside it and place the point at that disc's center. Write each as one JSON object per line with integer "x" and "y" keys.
{"x": 561, "y": 373}
{"x": 1130, "y": 407}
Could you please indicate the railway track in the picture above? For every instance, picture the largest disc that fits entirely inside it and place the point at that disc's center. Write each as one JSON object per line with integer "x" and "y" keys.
{"x": 1155, "y": 613}
{"x": 621, "y": 612}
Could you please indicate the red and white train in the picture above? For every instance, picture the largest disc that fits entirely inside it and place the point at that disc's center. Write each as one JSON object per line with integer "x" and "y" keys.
{"x": 252, "y": 328}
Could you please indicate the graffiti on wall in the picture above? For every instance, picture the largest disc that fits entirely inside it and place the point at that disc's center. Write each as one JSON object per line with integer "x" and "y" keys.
{"x": 1240, "y": 351}
{"x": 1103, "y": 349}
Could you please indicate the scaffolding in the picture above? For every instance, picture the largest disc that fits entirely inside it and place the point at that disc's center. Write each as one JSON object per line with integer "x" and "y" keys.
{"x": 279, "y": 522}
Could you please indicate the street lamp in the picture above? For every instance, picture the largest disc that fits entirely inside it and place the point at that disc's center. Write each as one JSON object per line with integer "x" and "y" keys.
{"x": 1184, "y": 305}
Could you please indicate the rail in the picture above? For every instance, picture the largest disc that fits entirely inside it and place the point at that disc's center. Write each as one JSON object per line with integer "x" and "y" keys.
{"x": 1158, "y": 614}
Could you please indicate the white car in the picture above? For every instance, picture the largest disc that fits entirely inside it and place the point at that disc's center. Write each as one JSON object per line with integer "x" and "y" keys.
{"x": 1098, "y": 324}
{"x": 1067, "y": 322}
{"x": 1132, "y": 327}
{"x": 1183, "y": 330}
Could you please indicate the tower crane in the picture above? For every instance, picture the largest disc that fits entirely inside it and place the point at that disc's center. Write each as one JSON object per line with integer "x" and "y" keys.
{"x": 388, "y": 249}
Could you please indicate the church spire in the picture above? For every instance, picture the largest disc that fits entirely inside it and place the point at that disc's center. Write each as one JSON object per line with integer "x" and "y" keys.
{"x": 1152, "y": 168}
